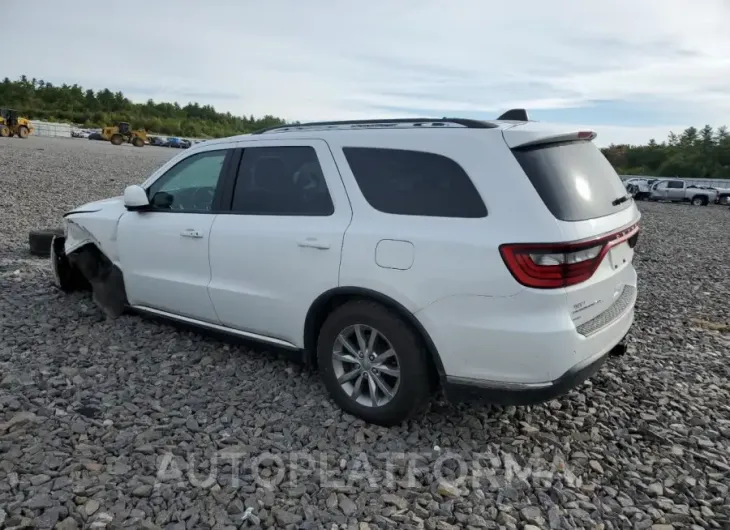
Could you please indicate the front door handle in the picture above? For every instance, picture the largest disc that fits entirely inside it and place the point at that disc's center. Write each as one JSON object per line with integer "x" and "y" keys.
{"x": 312, "y": 242}
{"x": 191, "y": 233}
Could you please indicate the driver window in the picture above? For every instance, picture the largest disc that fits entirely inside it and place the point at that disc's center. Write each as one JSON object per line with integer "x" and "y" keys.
{"x": 661, "y": 186}
{"x": 190, "y": 185}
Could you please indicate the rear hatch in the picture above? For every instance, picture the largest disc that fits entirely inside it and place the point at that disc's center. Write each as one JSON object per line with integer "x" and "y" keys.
{"x": 596, "y": 215}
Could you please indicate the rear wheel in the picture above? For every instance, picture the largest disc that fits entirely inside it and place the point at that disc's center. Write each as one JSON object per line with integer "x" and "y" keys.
{"x": 117, "y": 139}
{"x": 372, "y": 363}
{"x": 699, "y": 200}
{"x": 4, "y": 131}
{"x": 23, "y": 131}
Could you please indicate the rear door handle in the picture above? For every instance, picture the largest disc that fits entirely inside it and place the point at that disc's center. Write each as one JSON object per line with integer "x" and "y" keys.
{"x": 191, "y": 233}
{"x": 312, "y": 242}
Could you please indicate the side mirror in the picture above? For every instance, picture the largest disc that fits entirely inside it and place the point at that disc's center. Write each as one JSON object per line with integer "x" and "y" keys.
{"x": 135, "y": 198}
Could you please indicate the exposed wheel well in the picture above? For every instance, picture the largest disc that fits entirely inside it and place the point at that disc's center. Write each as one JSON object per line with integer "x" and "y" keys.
{"x": 105, "y": 278}
{"x": 329, "y": 301}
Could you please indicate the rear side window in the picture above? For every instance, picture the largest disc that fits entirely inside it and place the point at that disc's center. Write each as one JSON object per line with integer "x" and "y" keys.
{"x": 281, "y": 181}
{"x": 407, "y": 182}
{"x": 575, "y": 181}
{"x": 673, "y": 184}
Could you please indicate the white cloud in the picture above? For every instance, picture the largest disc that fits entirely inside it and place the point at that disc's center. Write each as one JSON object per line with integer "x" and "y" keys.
{"x": 323, "y": 59}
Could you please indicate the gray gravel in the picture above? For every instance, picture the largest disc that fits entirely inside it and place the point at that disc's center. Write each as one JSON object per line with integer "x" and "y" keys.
{"x": 42, "y": 178}
{"x": 135, "y": 424}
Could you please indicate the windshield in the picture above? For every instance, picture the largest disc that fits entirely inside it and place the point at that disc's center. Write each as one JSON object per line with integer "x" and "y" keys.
{"x": 575, "y": 181}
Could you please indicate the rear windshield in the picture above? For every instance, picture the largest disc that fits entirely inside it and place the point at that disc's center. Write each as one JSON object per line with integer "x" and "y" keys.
{"x": 575, "y": 181}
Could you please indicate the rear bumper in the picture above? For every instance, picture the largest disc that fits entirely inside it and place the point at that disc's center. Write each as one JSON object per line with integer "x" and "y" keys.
{"x": 459, "y": 389}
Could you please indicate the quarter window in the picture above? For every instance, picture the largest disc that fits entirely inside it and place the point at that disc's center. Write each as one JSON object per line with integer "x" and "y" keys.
{"x": 281, "y": 181}
{"x": 418, "y": 183}
{"x": 190, "y": 185}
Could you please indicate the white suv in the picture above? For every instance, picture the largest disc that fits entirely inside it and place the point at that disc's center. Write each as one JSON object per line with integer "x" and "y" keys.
{"x": 490, "y": 258}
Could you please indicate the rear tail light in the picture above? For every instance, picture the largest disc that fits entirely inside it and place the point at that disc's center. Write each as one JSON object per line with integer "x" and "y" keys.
{"x": 555, "y": 265}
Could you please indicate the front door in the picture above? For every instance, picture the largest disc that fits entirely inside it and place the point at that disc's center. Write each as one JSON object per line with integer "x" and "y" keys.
{"x": 675, "y": 190}
{"x": 660, "y": 191}
{"x": 164, "y": 251}
{"x": 280, "y": 246}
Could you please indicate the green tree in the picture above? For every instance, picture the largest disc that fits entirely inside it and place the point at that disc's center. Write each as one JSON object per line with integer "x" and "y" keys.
{"x": 703, "y": 153}
{"x": 39, "y": 99}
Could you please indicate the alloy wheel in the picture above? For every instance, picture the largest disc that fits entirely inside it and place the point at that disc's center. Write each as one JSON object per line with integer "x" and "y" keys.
{"x": 366, "y": 365}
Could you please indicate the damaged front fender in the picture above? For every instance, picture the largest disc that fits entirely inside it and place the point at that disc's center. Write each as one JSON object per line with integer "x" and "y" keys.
{"x": 89, "y": 248}
{"x": 76, "y": 237}
{"x": 95, "y": 223}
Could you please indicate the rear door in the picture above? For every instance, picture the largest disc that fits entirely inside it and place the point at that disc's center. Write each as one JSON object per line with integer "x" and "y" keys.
{"x": 279, "y": 246}
{"x": 585, "y": 195}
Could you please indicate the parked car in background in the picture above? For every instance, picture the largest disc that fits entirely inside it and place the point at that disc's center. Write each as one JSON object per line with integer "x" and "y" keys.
{"x": 173, "y": 141}
{"x": 390, "y": 254}
{"x": 95, "y": 136}
{"x": 680, "y": 191}
{"x": 156, "y": 140}
{"x": 639, "y": 188}
{"x": 185, "y": 144}
{"x": 723, "y": 195}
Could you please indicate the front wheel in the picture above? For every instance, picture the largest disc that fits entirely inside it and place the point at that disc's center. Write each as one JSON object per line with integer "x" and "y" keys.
{"x": 23, "y": 131}
{"x": 372, "y": 363}
{"x": 138, "y": 142}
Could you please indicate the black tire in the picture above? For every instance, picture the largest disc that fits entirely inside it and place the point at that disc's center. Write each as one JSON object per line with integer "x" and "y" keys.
{"x": 699, "y": 200}
{"x": 40, "y": 241}
{"x": 414, "y": 386}
{"x": 117, "y": 139}
{"x": 138, "y": 142}
{"x": 23, "y": 132}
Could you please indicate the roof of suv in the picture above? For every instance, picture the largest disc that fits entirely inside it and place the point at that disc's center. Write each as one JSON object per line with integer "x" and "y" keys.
{"x": 527, "y": 131}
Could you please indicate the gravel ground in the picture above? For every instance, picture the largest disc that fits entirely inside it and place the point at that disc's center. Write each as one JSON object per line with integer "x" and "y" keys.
{"x": 136, "y": 424}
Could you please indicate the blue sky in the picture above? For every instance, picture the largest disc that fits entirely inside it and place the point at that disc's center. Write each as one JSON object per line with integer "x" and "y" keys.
{"x": 630, "y": 69}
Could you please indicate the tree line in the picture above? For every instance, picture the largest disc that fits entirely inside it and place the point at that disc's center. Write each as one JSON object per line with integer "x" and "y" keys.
{"x": 695, "y": 153}
{"x": 703, "y": 153}
{"x": 42, "y": 100}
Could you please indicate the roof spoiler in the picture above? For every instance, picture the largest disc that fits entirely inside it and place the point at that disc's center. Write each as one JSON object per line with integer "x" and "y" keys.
{"x": 514, "y": 115}
{"x": 529, "y": 136}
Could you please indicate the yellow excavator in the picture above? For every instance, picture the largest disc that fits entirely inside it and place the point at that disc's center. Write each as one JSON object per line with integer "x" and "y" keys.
{"x": 122, "y": 132}
{"x": 11, "y": 123}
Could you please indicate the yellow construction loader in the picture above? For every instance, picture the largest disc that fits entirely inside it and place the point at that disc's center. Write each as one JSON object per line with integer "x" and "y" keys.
{"x": 11, "y": 123}
{"x": 122, "y": 132}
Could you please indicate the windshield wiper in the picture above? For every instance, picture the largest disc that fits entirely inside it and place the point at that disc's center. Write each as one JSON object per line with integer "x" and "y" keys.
{"x": 620, "y": 200}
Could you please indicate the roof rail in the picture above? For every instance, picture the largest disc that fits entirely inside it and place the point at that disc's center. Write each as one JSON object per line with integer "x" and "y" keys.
{"x": 514, "y": 115}
{"x": 382, "y": 124}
